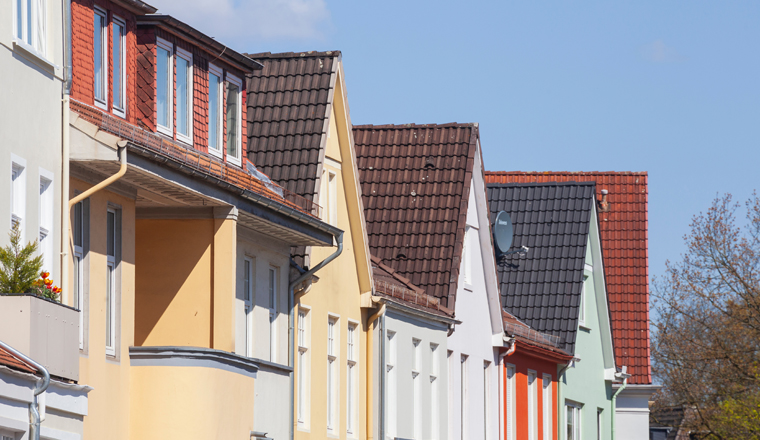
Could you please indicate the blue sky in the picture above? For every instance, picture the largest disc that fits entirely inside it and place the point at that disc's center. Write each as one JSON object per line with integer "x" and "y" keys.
{"x": 668, "y": 87}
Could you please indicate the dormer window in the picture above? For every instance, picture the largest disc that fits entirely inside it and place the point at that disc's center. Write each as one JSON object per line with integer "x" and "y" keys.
{"x": 215, "y": 122}
{"x": 100, "y": 53}
{"x": 164, "y": 79}
{"x": 119, "y": 61}
{"x": 184, "y": 96}
{"x": 233, "y": 114}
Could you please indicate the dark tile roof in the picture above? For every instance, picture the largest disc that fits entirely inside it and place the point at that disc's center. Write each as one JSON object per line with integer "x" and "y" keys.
{"x": 390, "y": 284}
{"x": 624, "y": 235}
{"x": 288, "y": 108}
{"x": 543, "y": 288}
{"x": 415, "y": 183}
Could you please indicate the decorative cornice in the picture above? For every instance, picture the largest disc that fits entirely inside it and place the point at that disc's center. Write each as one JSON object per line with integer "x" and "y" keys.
{"x": 192, "y": 357}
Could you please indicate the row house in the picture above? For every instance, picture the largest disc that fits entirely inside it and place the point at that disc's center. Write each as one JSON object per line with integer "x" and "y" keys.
{"x": 622, "y": 199}
{"x": 179, "y": 250}
{"x": 427, "y": 219}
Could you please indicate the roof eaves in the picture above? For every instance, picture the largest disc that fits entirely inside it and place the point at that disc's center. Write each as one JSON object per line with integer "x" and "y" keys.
{"x": 137, "y": 6}
{"x": 309, "y": 54}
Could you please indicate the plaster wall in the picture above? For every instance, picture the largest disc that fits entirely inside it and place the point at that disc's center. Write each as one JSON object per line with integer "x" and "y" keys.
{"x": 31, "y": 126}
{"x": 632, "y": 412}
{"x": 270, "y": 413}
{"x": 522, "y": 363}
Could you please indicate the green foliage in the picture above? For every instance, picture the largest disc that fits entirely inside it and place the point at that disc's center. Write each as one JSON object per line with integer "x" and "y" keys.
{"x": 19, "y": 268}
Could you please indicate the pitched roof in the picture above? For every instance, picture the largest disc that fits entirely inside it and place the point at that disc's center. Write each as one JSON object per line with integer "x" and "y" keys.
{"x": 9, "y": 360}
{"x": 390, "y": 284}
{"x": 624, "y": 236}
{"x": 543, "y": 288}
{"x": 288, "y": 108}
{"x": 415, "y": 182}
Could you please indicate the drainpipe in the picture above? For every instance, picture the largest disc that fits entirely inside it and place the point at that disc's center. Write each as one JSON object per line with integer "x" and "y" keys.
{"x": 502, "y": 400}
{"x": 65, "y": 146}
{"x": 291, "y": 320}
{"x": 559, "y": 395}
{"x": 370, "y": 396}
{"x": 39, "y": 388}
{"x": 614, "y": 401}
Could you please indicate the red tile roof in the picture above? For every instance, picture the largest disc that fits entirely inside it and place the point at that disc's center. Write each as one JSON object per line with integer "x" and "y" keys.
{"x": 9, "y": 360}
{"x": 624, "y": 234}
{"x": 415, "y": 182}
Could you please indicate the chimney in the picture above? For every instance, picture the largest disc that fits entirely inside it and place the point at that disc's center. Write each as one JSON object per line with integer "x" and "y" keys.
{"x": 604, "y": 205}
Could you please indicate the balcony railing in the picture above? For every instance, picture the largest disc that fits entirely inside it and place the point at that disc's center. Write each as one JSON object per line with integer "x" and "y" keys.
{"x": 193, "y": 159}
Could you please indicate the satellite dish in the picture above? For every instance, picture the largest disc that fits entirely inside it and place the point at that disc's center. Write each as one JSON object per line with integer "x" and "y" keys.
{"x": 502, "y": 232}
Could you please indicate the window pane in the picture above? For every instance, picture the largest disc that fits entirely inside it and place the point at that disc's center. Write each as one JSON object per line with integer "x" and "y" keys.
{"x": 118, "y": 33}
{"x": 77, "y": 263}
{"x": 19, "y": 19}
{"x": 162, "y": 86}
{"x": 183, "y": 73}
{"x": 98, "y": 52}
{"x": 109, "y": 306}
{"x": 111, "y": 221}
{"x": 214, "y": 83}
{"x": 28, "y": 38}
{"x": 569, "y": 422}
{"x": 247, "y": 279}
{"x": 233, "y": 101}
{"x": 78, "y": 224}
{"x": 272, "y": 297}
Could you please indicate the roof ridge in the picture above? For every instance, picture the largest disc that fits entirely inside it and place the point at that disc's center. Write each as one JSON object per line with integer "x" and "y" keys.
{"x": 413, "y": 125}
{"x": 307, "y": 54}
{"x": 548, "y": 173}
{"x": 524, "y": 184}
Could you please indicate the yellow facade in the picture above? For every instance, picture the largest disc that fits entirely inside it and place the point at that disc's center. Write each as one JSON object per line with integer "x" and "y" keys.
{"x": 337, "y": 294}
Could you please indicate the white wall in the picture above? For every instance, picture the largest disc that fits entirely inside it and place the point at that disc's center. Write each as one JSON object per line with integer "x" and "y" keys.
{"x": 632, "y": 412}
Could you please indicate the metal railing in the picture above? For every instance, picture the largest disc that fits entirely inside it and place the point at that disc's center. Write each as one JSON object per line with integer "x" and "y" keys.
{"x": 530, "y": 334}
{"x": 194, "y": 159}
{"x": 410, "y": 296}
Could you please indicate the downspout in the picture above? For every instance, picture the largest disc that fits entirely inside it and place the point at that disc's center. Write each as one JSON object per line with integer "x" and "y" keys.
{"x": 614, "y": 403}
{"x": 559, "y": 395}
{"x": 291, "y": 319}
{"x": 39, "y": 388}
{"x": 64, "y": 262}
{"x": 502, "y": 384}
{"x": 383, "y": 337}
{"x": 370, "y": 394}
{"x": 108, "y": 181}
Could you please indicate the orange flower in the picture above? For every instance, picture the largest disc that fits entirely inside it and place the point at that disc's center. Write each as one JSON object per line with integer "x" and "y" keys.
{"x": 48, "y": 282}
{"x": 44, "y": 275}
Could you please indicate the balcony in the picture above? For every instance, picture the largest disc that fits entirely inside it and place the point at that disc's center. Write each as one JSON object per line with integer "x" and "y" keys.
{"x": 44, "y": 330}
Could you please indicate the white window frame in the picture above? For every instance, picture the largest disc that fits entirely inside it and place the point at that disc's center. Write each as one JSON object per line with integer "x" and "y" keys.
{"x": 248, "y": 293}
{"x": 547, "y": 415}
{"x": 416, "y": 388}
{"x": 532, "y": 405}
{"x": 111, "y": 294}
{"x": 391, "y": 371}
{"x": 582, "y": 305}
{"x": 352, "y": 395}
{"x": 333, "y": 353}
{"x": 511, "y": 398}
{"x": 272, "y": 292}
{"x": 187, "y": 56}
{"x": 332, "y": 188}
{"x": 468, "y": 257}
{"x": 218, "y": 152}
{"x": 304, "y": 374}
{"x": 599, "y": 423}
{"x": 103, "y": 104}
{"x": 434, "y": 408}
{"x": 575, "y": 409}
{"x": 46, "y": 212}
{"x": 78, "y": 261}
{"x": 121, "y": 111}
{"x": 167, "y": 130}
{"x": 18, "y": 194}
{"x": 238, "y": 120}
{"x": 33, "y": 40}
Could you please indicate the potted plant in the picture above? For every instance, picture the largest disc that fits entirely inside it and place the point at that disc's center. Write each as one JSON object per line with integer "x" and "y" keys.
{"x": 21, "y": 271}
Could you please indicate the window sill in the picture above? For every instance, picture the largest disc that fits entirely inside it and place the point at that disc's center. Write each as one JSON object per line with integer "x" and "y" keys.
{"x": 166, "y": 131}
{"x": 234, "y": 161}
{"x": 468, "y": 287}
{"x": 302, "y": 428}
{"x": 120, "y": 113}
{"x": 215, "y": 153}
{"x": 31, "y": 53}
{"x": 101, "y": 105}
{"x": 584, "y": 328}
{"x": 184, "y": 139}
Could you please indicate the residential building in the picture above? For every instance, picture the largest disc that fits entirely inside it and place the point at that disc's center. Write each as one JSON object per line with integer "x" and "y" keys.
{"x": 179, "y": 256}
{"x": 528, "y": 382}
{"x": 558, "y": 288}
{"x": 623, "y": 227}
{"x": 409, "y": 372}
{"x": 299, "y": 133}
{"x": 427, "y": 219}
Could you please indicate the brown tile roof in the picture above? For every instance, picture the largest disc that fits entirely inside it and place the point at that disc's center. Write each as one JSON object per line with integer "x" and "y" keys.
{"x": 624, "y": 234}
{"x": 391, "y": 284}
{"x": 288, "y": 107}
{"x": 9, "y": 360}
{"x": 415, "y": 182}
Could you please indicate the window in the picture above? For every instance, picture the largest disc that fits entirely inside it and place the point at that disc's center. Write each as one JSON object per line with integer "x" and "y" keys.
{"x": 332, "y": 373}
{"x": 582, "y": 307}
{"x": 234, "y": 114}
{"x": 184, "y": 96}
{"x": 328, "y": 197}
{"x": 510, "y": 390}
{"x": 303, "y": 367}
{"x": 351, "y": 379}
{"x": 47, "y": 204}
{"x": 248, "y": 305}
{"x": 18, "y": 193}
{"x": 273, "y": 313}
{"x": 215, "y": 110}
{"x": 100, "y": 52}
{"x": 390, "y": 371}
{"x": 31, "y": 24}
{"x": 119, "y": 63}
{"x": 111, "y": 245}
{"x": 464, "y": 413}
{"x": 572, "y": 421}
{"x": 164, "y": 88}
{"x": 532, "y": 406}
{"x": 467, "y": 263}
{"x": 434, "y": 416}
{"x": 416, "y": 389}
{"x": 599, "y": 424}
{"x": 486, "y": 399}
{"x": 78, "y": 231}
{"x": 547, "y": 404}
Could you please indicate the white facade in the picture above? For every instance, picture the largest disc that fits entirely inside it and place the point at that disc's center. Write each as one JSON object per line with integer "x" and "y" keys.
{"x": 472, "y": 355}
{"x": 632, "y": 411}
